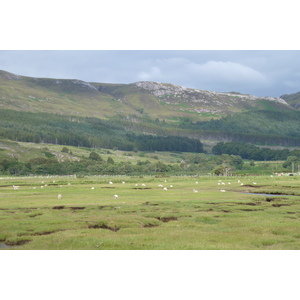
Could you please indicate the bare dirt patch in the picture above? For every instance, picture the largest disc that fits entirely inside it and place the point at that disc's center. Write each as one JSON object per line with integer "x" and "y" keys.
{"x": 77, "y": 207}
{"x": 104, "y": 226}
{"x": 58, "y": 207}
{"x": 280, "y": 204}
{"x": 167, "y": 219}
{"x": 17, "y": 243}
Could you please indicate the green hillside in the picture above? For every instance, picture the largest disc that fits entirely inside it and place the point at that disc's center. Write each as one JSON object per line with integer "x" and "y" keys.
{"x": 157, "y": 100}
{"x": 147, "y": 116}
{"x": 292, "y": 99}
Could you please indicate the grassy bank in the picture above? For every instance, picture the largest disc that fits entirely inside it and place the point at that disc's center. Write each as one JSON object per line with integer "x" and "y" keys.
{"x": 145, "y": 216}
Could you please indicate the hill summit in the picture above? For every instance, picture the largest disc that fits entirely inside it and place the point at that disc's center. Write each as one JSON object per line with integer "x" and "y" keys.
{"x": 156, "y": 100}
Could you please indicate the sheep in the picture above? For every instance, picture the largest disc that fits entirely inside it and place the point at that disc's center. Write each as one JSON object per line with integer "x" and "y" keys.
{"x": 165, "y": 189}
{"x": 123, "y": 182}
{"x": 160, "y": 185}
{"x": 15, "y": 187}
{"x": 222, "y": 191}
{"x": 110, "y": 182}
{"x": 195, "y": 191}
{"x": 143, "y": 184}
{"x": 59, "y": 196}
{"x": 171, "y": 185}
{"x": 116, "y": 196}
{"x": 92, "y": 188}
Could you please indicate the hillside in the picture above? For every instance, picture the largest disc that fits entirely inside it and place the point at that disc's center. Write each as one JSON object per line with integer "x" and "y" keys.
{"x": 292, "y": 99}
{"x": 143, "y": 115}
{"x": 156, "y": 100}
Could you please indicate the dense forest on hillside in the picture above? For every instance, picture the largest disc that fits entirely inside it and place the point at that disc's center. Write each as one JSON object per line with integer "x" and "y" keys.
{"x": 247, "y": 151}
{"x": 85, "y": 132}
{"x": 261, "y": 127}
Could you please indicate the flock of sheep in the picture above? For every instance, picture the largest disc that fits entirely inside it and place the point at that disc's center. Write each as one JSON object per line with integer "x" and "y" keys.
{"x": 59, "y": 197}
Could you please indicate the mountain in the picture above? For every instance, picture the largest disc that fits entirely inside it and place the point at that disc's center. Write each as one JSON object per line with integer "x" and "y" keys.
{"x": 156, "y": 100}
{"x": 139, "y": 115}
{"x": 292, "y": 99}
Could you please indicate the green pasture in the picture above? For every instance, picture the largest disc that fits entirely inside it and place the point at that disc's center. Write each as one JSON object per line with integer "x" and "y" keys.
{"x": 147, "y": 217}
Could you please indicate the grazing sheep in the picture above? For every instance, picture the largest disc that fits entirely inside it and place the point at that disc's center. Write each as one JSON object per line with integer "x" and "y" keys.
{"x": 123, "y": 182}
{"x": 171, "y": 185}
{"x": 92, "y": 188}
{"x": 143, "y": 184}
{"x": 110, "y": 182}
{"x": 15, "y": 187}
{"x": 116, "y": 196}
{"x": 195, "y": 191}
{"x": 59, "y": 196}
{"x": 222, "y": 191}
{"x": 160, "y": 185}
{"x": 165, "y": 189}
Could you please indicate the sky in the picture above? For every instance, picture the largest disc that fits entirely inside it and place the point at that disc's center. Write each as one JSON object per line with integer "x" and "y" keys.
{"x": 257, "y": 72}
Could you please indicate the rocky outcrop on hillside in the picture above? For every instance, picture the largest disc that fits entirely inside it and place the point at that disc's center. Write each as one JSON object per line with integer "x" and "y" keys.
{"x": 182, "y": 93}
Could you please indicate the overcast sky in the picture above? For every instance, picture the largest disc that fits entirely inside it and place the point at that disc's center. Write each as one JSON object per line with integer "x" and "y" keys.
{"x": 261, "y": 73}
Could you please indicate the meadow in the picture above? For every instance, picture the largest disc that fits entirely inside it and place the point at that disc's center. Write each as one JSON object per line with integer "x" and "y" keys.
{"x": 192, "y": 213}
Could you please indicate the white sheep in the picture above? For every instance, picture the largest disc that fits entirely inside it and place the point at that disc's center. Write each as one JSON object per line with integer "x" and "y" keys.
{"x": 195, "y": 191}
{"x": 222, "y": 191}
{"x": 165, "y": 189}
{"x": 116, "y": 196}
{"x": 59, "y": 196}
{"x": 110, "y": 182}
{"x": 92, "y": 188}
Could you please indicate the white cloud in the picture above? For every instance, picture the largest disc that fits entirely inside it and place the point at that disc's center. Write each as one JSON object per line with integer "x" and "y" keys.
{"x": 211, "y": 75}
{"x": 228, "y": 72}
{"x": 153, "y": 74}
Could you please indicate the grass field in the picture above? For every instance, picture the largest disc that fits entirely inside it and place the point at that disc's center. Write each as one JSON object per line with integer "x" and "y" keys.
{"x": 193, "y": 213}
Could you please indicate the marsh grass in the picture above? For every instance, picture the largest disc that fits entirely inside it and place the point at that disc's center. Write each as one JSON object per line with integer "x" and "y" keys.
{"x": 148, "y": 217}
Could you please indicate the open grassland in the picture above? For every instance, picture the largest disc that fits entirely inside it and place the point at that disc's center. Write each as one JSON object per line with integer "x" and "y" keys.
{"x": 193, "y": 213}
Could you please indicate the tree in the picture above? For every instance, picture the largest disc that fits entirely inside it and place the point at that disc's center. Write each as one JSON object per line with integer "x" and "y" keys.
{"x": 95, "y": 156}
{"x": 110, "y": 161}
{"x": 65, "y": 150}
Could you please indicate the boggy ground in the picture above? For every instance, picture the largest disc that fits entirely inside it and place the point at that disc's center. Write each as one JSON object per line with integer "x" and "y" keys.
{"x": 193, "y": 213}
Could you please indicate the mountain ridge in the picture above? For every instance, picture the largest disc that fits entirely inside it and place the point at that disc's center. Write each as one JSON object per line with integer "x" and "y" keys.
{"x": 157, "y": 100}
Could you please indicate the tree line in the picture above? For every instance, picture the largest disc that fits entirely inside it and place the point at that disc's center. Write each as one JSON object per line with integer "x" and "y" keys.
{"x": 86, "y": 132}
{"x": 251, "y": 152}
